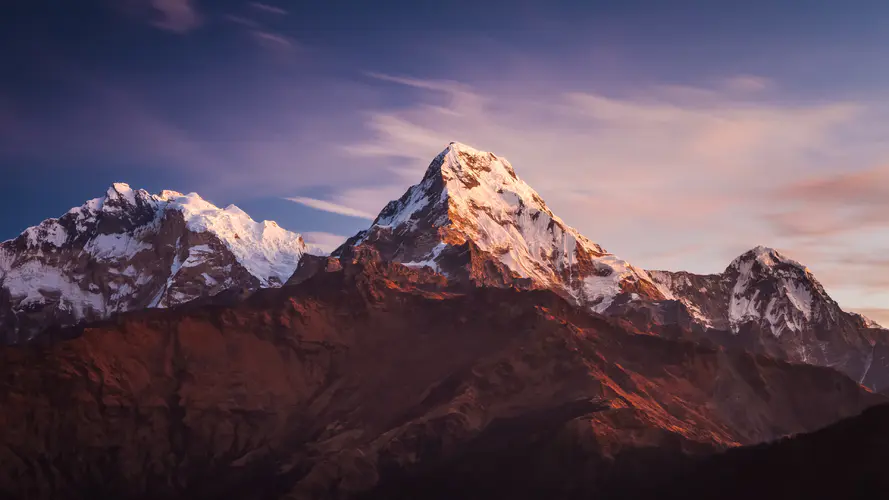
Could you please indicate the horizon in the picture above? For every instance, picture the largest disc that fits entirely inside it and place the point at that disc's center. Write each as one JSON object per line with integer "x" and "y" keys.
{"x": 677, "y": 135}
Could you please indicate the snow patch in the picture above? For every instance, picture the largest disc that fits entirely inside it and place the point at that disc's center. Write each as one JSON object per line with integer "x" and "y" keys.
{"x": 32, "y": 283}
{"x": 115, "y": 246}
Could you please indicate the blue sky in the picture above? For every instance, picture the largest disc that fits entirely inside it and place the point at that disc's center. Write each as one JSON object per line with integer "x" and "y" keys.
{"x": 676, "y": 134}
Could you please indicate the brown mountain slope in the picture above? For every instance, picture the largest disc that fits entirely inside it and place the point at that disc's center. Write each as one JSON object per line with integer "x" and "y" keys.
{"x": 846, "y": 460}
{"x": 366, "y": 373}
{"x": 544, "y": 459}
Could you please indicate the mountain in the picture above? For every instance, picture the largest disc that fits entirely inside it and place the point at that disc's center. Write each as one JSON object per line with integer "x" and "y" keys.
{"x": 761, "y": 287}
{"x": 771, "y": 304}
{"x": 367, "y": 375}
{"x": 473, "y": 219}
{"x": 130, "y": 250}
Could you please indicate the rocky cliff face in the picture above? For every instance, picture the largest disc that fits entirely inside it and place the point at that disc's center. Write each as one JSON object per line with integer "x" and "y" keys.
{"x": 361, "y": 376}
{"x": 132, "y": 250}
{"x": 768, "y": 303}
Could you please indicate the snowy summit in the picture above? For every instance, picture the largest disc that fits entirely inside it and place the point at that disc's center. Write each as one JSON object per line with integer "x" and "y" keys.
{"x": 131, "y": 249}
{"x": 472, "y": 197}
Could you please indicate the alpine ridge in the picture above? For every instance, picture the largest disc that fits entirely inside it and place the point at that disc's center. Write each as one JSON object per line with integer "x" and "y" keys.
{"x": 769, "y": 303}
{"x": 472, "y": 218}
{"x": 130, "y": 250}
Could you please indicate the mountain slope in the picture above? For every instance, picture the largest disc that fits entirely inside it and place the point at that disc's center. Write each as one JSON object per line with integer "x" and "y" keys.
{"x": 844, "y": 460}
{"x": 771, "y": 304}
{"x": 130, "y": 249}
{"x": 472, "y": 218}
{"x": 368, "y": 372}
{"x": 544, "y": 460}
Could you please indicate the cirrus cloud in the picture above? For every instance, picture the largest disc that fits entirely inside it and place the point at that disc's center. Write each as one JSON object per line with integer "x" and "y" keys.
{"x": 327, "y": 206}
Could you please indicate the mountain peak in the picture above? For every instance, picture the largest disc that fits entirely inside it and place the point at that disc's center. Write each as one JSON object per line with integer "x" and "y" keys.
{"x": 121, "y": 197}
{"x": 473, "y": 197}
{"x": 775, "y": 289}
{"x": 118, "y": 189}
{"x": 767, "y": 258}
{"x": 463, "y": 163}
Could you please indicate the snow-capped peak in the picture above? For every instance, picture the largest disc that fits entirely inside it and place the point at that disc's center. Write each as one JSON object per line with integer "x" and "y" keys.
{"x": 471, "y": 195}
{"x": 121, "y": 191}
{"x": 121, "y": 197}
{"x": 131, "y": 249}
{"x": 767, "y": 257}
{"x": 772, "y": 288}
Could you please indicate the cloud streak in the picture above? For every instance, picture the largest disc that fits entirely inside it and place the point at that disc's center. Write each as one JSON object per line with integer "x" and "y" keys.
{"x": 243, "y": 21}
{"x": 328, "y": 206}
{"x": 272, "y": 40}
{"x": 835, "y": 204}
{"x": 271, "y": 9}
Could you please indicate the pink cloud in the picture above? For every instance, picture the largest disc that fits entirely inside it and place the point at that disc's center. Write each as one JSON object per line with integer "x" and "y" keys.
{"x": 747, "y": 83}
{"x": 835, "y": 203}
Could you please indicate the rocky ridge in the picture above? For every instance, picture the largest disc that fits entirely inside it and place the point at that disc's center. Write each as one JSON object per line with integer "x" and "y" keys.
{"x": 768, "y": 303}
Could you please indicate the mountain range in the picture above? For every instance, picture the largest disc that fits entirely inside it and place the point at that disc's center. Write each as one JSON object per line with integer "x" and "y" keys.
{"x": 131, "y": 250}
{"x": 473, "y": 219}
{"x": 169, "y": 348}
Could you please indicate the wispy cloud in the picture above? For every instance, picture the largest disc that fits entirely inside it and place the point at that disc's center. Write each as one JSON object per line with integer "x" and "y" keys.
{"x": 272, "y": 9}
{"x": 834, "y": 204}
{"x": 328, "y": 206}
{"x": 243, "y": 21}
{"x": 747, "y": 83}
{"x": 272, "y": 41}
{"x": 179, "y": 16}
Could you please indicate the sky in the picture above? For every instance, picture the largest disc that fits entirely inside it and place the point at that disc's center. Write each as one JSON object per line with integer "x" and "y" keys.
{"x": 675, "y": 133}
